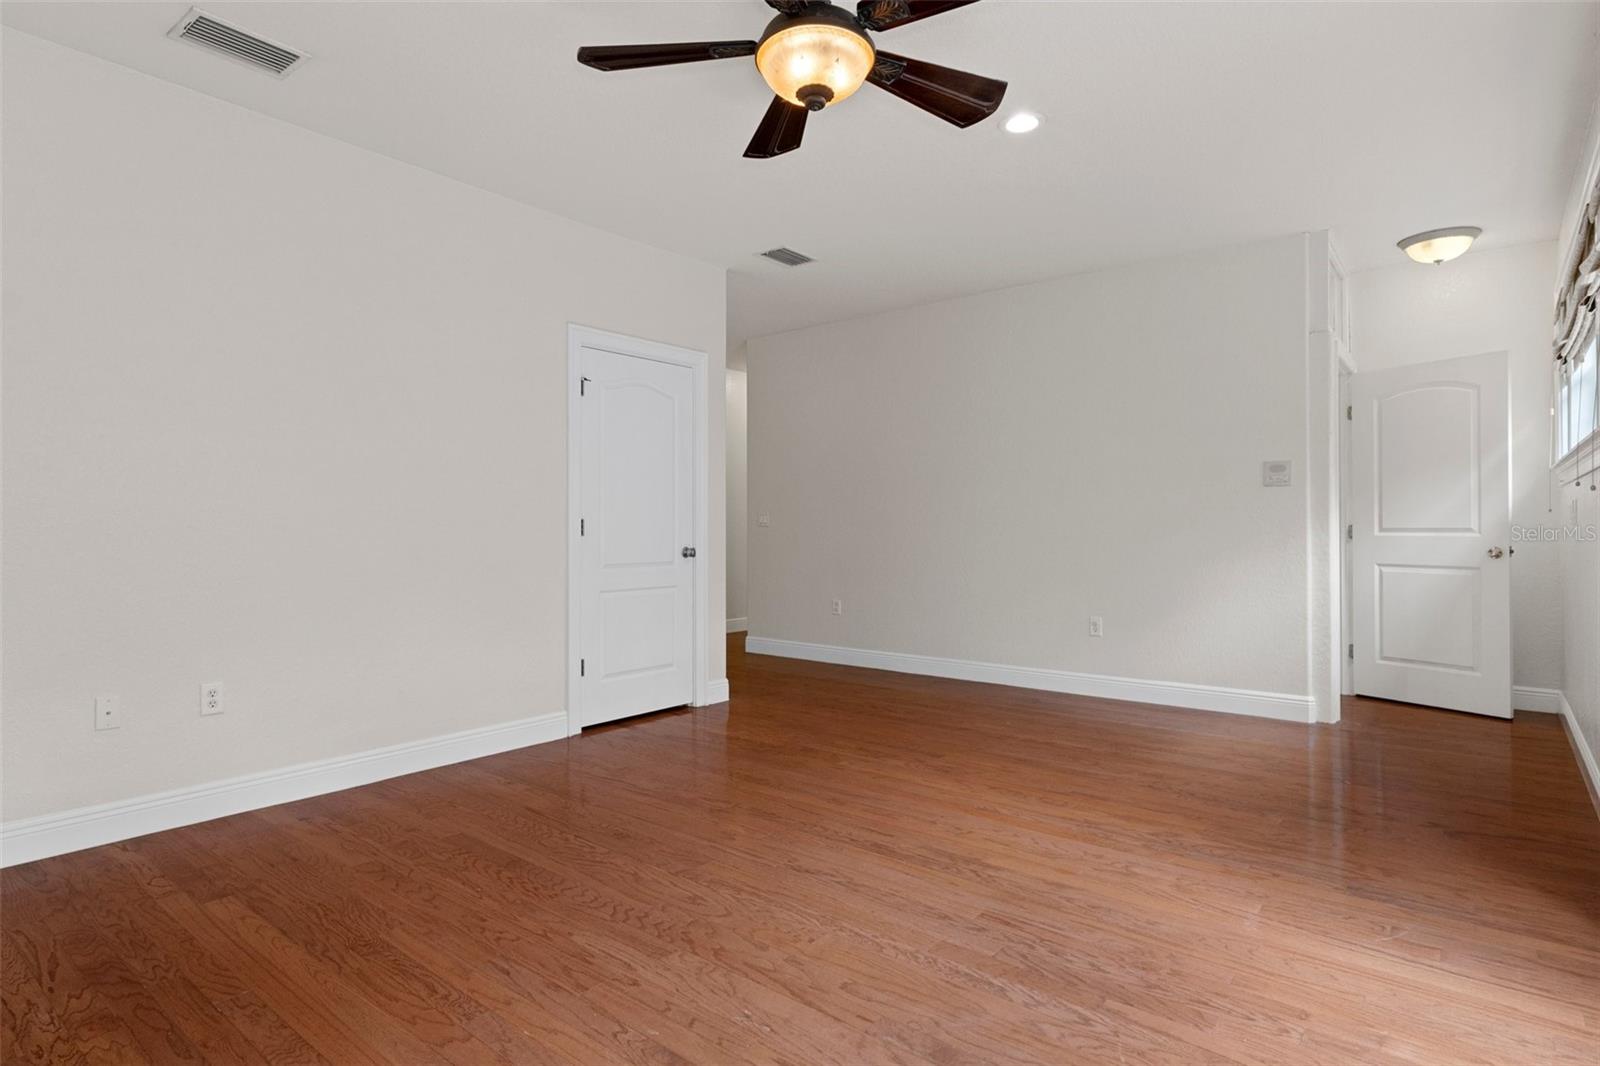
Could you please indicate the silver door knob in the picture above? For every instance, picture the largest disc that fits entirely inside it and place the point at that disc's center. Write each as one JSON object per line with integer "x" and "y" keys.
{"x": 688, "y": 553}
{"x": 1495, "y": 553}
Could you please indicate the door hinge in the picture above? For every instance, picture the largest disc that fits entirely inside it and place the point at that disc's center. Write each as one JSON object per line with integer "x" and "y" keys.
{"x": 580, "y": 668}
{"x": 1349, "y": 412}
{"x": 1350, "y": 532}
{"x": 583, "y": 385}
{"x": 1351, "y": 651}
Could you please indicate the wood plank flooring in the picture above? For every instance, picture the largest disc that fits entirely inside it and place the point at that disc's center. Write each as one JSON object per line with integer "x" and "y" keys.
{"x": 847, "y": 866}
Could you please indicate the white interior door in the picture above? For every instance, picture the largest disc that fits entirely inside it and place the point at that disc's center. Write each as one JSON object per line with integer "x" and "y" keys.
{"x": 1431, "y": 512}
{"x": 637, "y": 552}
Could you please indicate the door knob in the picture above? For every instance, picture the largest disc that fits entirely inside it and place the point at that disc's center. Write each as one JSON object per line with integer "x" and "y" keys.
{"x": 688, "y": 553}
{"x": 1495, "y": 553}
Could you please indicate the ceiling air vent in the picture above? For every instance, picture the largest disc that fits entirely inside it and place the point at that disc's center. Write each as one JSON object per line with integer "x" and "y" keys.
{"x": 787, "y": 256}
{"x": 199, "y": 28}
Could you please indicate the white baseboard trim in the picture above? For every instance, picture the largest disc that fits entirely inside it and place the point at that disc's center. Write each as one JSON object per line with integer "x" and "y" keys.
{"x": 738, "y": 625}
{"x": 1538, "y": 700}
{"x": 87, "y": 827}
{"x": 716, "y": 692}
{"x": 1586, "y": 761}
{"x": 1282, "y": 706}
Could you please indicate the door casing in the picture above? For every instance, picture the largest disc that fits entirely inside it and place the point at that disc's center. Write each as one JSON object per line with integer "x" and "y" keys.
{"x": 578, "y": 338}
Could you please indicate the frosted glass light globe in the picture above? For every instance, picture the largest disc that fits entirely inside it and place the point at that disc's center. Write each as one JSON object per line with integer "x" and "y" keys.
{"x": 813, "y": 65}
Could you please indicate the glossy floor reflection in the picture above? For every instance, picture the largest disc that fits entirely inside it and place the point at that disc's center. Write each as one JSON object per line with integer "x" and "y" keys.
{"x": 858, "y": 867}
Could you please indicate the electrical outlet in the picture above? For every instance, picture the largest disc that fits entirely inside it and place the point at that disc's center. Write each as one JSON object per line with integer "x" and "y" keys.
{"x": 763, "y": 519}
{"x": 107, "y": 712}
{"x": 838, "y": 607}
{"x": 211, "y": 697}
{"x": 1097, "y": 626}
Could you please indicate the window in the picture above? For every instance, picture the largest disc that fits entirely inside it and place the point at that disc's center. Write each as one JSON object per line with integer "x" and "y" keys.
{"x": 1575, "y": 399}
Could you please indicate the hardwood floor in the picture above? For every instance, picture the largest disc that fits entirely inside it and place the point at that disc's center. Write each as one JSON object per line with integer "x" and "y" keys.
{"x": 847, "y": 866}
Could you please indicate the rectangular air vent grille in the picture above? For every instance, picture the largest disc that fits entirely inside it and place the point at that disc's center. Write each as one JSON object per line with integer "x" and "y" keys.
{"x": 199, "y": 28}
{"x": 787, "y": 256}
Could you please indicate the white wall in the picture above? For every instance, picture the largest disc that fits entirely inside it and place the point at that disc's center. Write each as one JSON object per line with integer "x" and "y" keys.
{"x": 975, "y": 478}
{"x": 1487, "y": 301}
{"x": 288, "y": 415}
{"x": 1579, "y": 560}
{"x": 738, "y": 562}
{"x": 1579, "y": 563}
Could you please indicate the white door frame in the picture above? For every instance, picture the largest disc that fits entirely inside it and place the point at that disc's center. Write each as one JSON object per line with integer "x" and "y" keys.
{"x": 579, "y": 338}
{"x": 1346, "y": 667}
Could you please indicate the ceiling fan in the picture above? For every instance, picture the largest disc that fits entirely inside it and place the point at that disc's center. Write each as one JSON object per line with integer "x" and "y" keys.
{"x": 814, "y": 54}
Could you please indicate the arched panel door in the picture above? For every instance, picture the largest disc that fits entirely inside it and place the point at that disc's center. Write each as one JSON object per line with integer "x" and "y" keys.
{"x": 636, "y": 612}
{"x": 1431, "y": 558}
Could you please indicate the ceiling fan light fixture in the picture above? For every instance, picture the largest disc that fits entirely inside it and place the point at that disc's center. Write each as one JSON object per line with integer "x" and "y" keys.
{"x": 815, "y": 54}
{"x": 815, "y": 60}
{"x": 1440, "y": 245}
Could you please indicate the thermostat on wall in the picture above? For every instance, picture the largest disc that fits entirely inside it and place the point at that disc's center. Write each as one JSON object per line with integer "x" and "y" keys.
{"x": 1276, "y": 473}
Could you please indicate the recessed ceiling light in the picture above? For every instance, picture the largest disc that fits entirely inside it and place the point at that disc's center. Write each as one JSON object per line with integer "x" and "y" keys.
{"x": 1440, "y": 245}
{"x": 1022, "y": 122}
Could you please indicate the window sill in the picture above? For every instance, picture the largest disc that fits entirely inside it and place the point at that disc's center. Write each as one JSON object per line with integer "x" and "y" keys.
{"x": 1581, "y": 461}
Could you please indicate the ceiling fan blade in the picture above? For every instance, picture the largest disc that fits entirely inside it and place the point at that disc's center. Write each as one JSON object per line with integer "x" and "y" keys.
{"x": 790, "y": 7}
{"x": 630, "y": 56}
{"x": 887, "y": 14}
{"x": 780, "y": 131}
{"x": 954, "y": 95}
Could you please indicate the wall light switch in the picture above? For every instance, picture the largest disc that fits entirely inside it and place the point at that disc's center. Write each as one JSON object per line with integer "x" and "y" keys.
{"x": 1276, "y": 473}
{"x": 1097, "y": 626}
{"x": 107, "y": 712}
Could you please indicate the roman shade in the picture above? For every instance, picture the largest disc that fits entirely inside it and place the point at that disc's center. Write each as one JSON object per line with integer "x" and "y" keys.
{"x": 1579, "y": 286}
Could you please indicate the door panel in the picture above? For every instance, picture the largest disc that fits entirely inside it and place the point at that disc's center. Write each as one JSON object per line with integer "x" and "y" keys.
{"x": 1430, "y": 498}
{"x": 636, "y": 610}
{"x": 1428, "y": 460}
{"x": 1430, "y": 616}
{"x": 637, "y": 628}
{"x": 638, "y": 482}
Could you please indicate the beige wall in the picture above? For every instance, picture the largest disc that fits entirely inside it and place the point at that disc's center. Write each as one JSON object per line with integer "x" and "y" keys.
{"x": 288, "y": 415}
{"x": 975, "y": 478}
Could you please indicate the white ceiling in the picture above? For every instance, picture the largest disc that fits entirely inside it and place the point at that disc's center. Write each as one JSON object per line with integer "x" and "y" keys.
{"x": 1168, "y": 128}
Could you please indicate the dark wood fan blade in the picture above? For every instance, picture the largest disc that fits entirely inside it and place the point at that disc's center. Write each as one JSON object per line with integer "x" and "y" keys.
{"x": 954, "y": 95}
{"x": 780, "y": 131}
{"x": 887, "y": 14}
{"x": 630, "y": 56}
{"x": 790, "y": 7}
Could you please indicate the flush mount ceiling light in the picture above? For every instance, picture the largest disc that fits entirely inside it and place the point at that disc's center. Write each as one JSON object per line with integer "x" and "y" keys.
{"x": 815, "y": 54}
{"x": 1440, "y": 245}
{"x": 1022, "y": 122}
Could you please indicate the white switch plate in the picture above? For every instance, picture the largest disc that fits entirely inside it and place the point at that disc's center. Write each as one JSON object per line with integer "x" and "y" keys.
{"x": 1276, "y": 473}
{"x": 763, "y": 519}
{"x": 107, "y": 712}
{"x": 1097, "y": 626}
{"x": 211, "y": 697}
